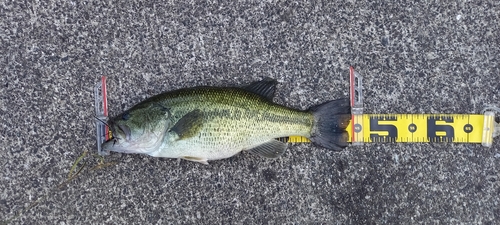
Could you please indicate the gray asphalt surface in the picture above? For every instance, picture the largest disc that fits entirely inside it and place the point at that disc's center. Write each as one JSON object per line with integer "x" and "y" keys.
{"x": 429, "y": 57}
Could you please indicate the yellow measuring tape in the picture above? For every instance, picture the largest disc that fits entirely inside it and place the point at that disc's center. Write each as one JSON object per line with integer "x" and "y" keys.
{"x": 457, "y": 128}
{"x": 460, "y": 128}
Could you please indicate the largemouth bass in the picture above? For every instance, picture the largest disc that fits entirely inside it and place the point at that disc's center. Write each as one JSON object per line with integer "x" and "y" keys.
{"x": 209, "y": 123}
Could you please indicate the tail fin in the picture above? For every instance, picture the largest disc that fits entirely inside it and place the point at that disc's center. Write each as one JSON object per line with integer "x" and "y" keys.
{"x": 330, "y": 121}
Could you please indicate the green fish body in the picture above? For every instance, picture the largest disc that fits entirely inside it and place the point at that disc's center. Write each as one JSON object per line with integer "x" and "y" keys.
{"x": 209, "y": 123}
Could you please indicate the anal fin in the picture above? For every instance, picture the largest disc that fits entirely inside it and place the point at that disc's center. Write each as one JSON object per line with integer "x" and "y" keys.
{"x": 270, "y": 149}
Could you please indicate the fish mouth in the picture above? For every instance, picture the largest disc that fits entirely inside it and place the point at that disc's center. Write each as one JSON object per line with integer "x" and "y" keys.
{"x": 119, "y": 131}
{"x": 120, "y": 135}
{"x": 109, "y": 145}
{"x": 113, "y": 145}
{"x": 124, "y": 130}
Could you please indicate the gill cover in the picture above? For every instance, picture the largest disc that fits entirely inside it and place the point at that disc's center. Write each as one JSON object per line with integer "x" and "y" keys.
{"x": 139, "y": 130}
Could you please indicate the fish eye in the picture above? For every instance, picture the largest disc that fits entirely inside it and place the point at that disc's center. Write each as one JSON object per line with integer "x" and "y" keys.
{"x": 126, "y": 116}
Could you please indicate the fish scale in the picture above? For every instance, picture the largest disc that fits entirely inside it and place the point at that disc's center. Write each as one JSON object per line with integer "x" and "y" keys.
{"x": 229, "y": 126}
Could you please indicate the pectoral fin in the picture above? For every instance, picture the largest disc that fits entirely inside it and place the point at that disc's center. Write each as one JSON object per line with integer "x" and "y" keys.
{"x": 189, "y": 125}
{"x": 270, "y": 149}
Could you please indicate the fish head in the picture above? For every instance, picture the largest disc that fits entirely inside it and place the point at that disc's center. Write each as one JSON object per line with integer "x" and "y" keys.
{"x": 138, "y": 130}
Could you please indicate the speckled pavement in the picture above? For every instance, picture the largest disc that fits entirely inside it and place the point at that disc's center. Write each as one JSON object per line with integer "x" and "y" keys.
{"x": 432, "y": 57}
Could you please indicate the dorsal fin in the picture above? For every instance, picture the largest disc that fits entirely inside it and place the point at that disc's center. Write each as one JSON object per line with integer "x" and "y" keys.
{"x": 266, "y": 87}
